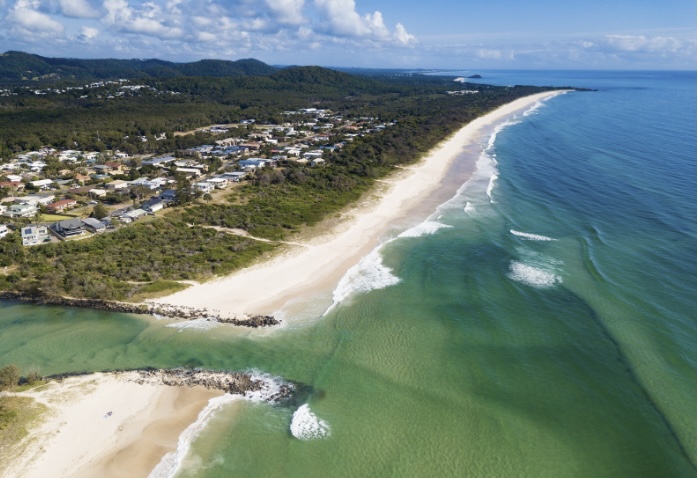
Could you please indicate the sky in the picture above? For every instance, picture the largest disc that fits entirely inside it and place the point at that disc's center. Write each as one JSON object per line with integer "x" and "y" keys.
{"x": 455, "y": 34}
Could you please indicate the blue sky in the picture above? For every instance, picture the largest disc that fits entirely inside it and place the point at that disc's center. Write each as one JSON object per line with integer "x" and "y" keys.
{"x": 533, "y": 34}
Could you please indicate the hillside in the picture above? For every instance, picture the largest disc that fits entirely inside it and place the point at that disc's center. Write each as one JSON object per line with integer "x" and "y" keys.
{"x": 18, "y": 66}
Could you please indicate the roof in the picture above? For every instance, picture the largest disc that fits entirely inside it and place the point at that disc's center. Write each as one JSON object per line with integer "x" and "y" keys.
{"x": 93, "y": 223}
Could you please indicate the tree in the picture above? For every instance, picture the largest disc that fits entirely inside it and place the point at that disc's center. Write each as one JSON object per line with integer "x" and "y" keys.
{"x": 9, "y": 377}
{"x": 207, "y": 197}
{"x": 100, "y": 211}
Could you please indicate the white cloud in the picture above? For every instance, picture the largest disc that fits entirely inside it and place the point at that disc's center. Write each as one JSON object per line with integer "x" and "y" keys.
{"x": 288, "y": 12}
{"x": 87, "y": 34}
{"x": 149, "y": 19}
{"x": 26, "y": 20}
{"x": 340, "y": 18}
{"x": 78, "y": 9}
{"x": 640, "y": 43}
{"x": 402, "y": 37}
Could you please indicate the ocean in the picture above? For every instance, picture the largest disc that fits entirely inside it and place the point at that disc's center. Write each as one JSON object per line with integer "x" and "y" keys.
{"x": 541, "y": 323}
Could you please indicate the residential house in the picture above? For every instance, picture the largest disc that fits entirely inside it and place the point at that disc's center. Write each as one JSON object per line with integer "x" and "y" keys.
{"x": 42, "y": 183}
{"x": 153, "y": 205}
{"x": 14, "y": 185}
{"x": 133, "y": 215}
{"x": 33, "y": 234}
{"x": 68, "y": 228}
{"x": 235, "y": 176}
{"x": 117, "y": 185}
{"x": 160, "y": 162}
{"x": 21, "y": 210}
{"x": 189, "y": 171}
{"x": 169, "y": 196}
{"x": 94, "y": 225}
{"x": 98, "y": 193}
{"x": 36, "y": 199}
{"x": 4, "y": 230}
{"x": 218, "y": 183}
{"x": 205, "y": 186}
{"x": 62, "y": 205}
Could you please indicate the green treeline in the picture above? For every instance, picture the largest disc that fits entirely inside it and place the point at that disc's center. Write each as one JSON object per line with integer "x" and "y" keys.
{"x": 119, "y": 265}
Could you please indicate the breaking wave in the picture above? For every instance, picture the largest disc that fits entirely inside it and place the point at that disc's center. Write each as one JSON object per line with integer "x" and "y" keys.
{"x": 305, "y": 425}
{"x": 531, "y": 237}
{"x": 369, "y": 274}
{"x": 424, "y": 229}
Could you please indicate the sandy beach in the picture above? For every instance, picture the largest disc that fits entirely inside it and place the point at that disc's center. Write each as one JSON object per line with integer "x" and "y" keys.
{"x": 79, "y": 438}
{"x": 312, "y": 269}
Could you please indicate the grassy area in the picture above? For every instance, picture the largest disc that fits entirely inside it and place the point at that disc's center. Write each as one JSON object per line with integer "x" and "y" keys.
{"x": 17, "y": 416}
{"x": 53, "y": 217}
{"x": 158, "y": 288}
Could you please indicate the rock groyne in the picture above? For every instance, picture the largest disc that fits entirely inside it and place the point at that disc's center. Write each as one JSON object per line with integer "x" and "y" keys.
{"x": 162, "y": 310}
{"x": 245, "y": 384}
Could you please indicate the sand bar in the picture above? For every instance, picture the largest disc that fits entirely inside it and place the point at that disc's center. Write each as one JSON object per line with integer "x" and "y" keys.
{"x": 313, "y": 270}
{"x": 79, "y": 438}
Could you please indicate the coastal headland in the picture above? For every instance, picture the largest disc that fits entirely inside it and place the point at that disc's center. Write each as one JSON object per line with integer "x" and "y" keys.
{"x": 80, "y": 437}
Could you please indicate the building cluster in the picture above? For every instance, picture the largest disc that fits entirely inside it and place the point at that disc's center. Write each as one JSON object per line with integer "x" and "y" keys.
{"x": 50, "y": 195}
{"x": 102, "y": 89}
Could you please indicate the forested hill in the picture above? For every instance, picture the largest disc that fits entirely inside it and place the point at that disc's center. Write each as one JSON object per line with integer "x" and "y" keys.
{"x": 18, "y": 66}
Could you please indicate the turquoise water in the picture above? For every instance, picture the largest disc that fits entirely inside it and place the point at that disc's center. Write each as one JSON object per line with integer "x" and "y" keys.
{"x": 541, "y": 323}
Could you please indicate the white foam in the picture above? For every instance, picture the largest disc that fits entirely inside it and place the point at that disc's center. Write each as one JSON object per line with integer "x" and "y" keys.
{"x": 532, "y": 275}
{"x": 531, "y": 237}
{"x": 369, "y": 274}
{"x": 305, "y": 425}
{"x": 424, "y": 229}
{"x": 198, "y": 324}
{"x": 270, "y": 387}
{"x": 490, "y": 185}
{"x": 469, "y": 208}
{"x": 171, "y": 463}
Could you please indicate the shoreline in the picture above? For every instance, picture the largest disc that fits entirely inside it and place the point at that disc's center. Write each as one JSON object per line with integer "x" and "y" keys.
{"x": 113, "y": 424}
{"x": 313, "y": 271}
{"x": 78, "y": 437}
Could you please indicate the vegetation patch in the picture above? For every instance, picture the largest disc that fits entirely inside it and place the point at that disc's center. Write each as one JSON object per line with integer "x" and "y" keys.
{"x": 157, "y": 289}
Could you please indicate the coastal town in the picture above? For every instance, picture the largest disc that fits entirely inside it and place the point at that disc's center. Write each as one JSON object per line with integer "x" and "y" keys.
{"x": 51, "y": 195}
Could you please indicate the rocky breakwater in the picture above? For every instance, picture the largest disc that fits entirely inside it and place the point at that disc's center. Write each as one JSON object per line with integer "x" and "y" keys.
{"x": 250, "y": 385}
{"x": 161, "y": 310}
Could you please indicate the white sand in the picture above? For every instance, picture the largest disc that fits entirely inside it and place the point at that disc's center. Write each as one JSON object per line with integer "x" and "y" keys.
{"x": 79, "y": 439}
{"x": 306, "y": 272}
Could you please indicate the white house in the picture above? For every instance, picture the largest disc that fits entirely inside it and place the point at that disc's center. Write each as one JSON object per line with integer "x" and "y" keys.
{"x": 21, "y": 210}
{"x": 41, "y": 183}
{"x": 218, "y": 183}
{"x": 32, "y": 235}
{"x": 36, "y": 199}
{"x": 205, "y": 186}
{"x": 235, "y": 176}
{"x": 3, "y": 230}
{"x": 117, "y": 185}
